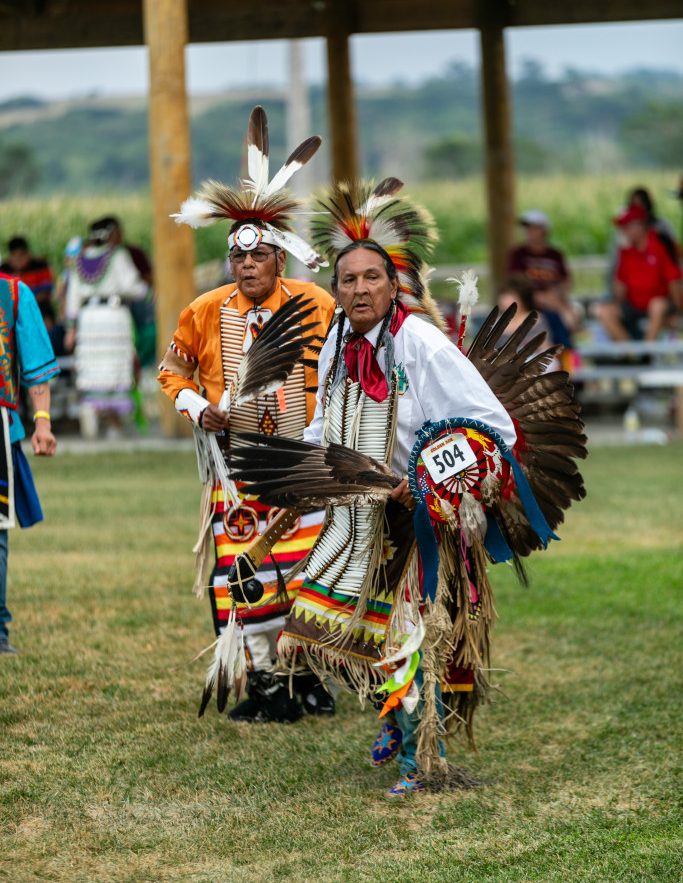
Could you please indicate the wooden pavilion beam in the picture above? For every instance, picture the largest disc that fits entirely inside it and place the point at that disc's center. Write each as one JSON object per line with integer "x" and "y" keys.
{"x": 499, "y": 154}
{"x": 170, "y": 172}
{"x": 340, "y": 97}
{"x": 63, "y": 24}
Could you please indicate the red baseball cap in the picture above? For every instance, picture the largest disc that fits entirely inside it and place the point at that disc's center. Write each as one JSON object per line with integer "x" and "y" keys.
{"x": 629, "y": 215}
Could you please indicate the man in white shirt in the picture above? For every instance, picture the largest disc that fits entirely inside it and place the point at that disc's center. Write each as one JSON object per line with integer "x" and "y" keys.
{"x": 397, "y": 605}
{"x": 393, "y": 356}
{"x": 437, "y": 380}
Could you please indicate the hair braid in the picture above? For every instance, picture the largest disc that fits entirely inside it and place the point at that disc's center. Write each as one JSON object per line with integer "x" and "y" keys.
{"x": 385, "y": 326}
{"x": 332, "y": 374}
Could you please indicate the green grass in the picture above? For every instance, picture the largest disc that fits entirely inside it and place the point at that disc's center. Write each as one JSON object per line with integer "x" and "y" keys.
{"x": 581, "y": 207}
{"x": 107, "y": 775}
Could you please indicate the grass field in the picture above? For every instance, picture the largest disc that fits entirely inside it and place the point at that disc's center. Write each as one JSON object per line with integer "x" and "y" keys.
{"x": 107, "y": 775}
{"x": 580, "y": 206}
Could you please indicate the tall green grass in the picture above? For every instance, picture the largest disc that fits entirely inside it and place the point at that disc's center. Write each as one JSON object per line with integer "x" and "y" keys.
{"x": 580, "y": 206}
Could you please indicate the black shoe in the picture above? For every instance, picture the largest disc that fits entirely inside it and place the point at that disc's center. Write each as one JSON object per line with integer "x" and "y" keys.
{"x": 314, "y": 697}
{"x": 6, "y": 647}
{"x": 246, "y": 711}
{"x": 269, "y": 701}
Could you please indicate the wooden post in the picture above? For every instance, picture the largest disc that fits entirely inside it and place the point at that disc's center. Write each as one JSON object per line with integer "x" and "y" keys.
{"x": 500, "y": 163}
{"x": 340, "y": 99}
{"x": 166, "y": 30}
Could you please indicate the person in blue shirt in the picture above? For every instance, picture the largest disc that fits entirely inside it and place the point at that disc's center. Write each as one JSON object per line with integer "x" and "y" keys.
{"x": 27, "y": 359}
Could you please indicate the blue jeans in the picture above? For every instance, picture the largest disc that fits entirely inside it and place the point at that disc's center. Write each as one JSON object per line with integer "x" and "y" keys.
{"x": 5, "y": 615}
{"x": 408, "y": 724}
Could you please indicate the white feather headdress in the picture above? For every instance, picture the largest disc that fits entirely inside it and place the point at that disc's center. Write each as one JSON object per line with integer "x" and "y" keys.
{"x": 259, "y": 200}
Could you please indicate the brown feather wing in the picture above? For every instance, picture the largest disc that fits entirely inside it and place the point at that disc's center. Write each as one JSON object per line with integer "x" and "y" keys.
{"x": 547, "y": 419}
{"x": 279, "y": 346}
{"x": 297, "y": 474}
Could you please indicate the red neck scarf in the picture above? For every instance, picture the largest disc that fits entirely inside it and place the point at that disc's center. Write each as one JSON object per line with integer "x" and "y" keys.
{"x": 361, "y": 360}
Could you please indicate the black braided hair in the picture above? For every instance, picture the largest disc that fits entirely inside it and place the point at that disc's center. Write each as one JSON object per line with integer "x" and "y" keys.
{"x": 385, "y": 324}
{"x": 332, "y": 373}
{"x": 340, "y": 340}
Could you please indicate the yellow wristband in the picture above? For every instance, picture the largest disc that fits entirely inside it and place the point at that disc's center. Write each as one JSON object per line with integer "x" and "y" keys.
{"x": 44, "y": 414}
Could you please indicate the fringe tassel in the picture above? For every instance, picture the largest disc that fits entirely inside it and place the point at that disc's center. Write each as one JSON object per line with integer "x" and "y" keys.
{"x": 212, "y": 470}
{"x": 353, "y": 675}
{"x": 406, "y": 607}
{"x": 204, "y": 545}
{"x": 220, "y": 473}
{"x": 470, "y": 633}
{"x": 436, "y": 649}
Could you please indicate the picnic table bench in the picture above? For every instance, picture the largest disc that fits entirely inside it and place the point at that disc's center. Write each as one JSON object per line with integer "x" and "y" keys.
{"x": 619, "y": 370}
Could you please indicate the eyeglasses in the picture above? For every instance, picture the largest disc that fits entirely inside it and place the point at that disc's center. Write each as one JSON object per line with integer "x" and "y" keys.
{"x": 259, "y": 255}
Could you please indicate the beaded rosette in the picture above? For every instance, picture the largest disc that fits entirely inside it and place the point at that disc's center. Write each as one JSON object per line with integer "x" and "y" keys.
{"x": 456, "y": 461}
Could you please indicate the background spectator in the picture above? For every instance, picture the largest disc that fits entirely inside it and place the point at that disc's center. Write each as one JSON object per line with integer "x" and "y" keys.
{"x": 142, "y": 311}
{"x": 646, "y": 282}
{"x": 34, "y": 272}
{"x": 102, "y": 278}
{"x": 27, "y": 361}
{"x": 546, "y": 268}
{"x": 640, "y": 197}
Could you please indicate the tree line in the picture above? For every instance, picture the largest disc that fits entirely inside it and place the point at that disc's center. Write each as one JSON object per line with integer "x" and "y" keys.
{"x": 578, "y": 122}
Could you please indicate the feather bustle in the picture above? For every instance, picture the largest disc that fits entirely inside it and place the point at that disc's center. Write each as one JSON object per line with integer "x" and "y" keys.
{"x": 549, "y": 426}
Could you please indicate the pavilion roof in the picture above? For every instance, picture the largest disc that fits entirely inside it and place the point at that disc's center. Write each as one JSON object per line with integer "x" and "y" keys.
{"x": 58, "y": 24}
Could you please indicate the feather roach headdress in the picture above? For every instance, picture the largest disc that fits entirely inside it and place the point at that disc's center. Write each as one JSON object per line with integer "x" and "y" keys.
{"x": 263, "y": 209}
{"x": 352, "y": 212}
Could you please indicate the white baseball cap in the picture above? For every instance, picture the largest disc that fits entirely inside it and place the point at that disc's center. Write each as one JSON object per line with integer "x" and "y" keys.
{"x": 536, "y": 217}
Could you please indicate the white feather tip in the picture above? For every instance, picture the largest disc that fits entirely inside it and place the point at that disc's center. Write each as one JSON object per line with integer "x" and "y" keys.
{"x": 195, "y": 213}
{"x": 468, "y": 292}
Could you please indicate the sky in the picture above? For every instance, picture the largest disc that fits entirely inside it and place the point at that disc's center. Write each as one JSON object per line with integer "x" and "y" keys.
{"x": 377, "y": 59}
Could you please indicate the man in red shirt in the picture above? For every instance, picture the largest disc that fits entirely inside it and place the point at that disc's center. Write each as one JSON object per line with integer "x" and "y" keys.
{"x": 646, "y": 281}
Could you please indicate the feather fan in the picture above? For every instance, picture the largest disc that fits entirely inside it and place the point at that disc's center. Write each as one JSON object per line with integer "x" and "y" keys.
{"x": 271, "y": 358}
{"x": 550, "y": 432}
{"x": 296, "y": 474}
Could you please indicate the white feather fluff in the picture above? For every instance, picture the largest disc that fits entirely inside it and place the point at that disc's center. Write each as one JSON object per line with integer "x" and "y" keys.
{"x": 195, "y": 212}
{"x": 468, "y": 291}
{"x": 374, "y": 203}
{"x": 229, "y": 660}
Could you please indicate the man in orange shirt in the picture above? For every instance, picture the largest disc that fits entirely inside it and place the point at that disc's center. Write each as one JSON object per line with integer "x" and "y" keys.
{"x": 214, "y": 333}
